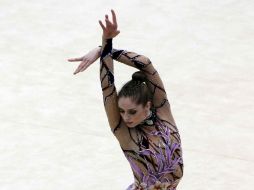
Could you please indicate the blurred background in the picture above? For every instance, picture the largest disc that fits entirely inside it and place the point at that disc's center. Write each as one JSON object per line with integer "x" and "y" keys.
{"x": 53, "y": 130}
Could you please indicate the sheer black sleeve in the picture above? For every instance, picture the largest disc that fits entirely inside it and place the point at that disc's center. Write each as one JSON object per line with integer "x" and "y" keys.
{"x": 110, "y": 94}
{"x": 155, "y": 84}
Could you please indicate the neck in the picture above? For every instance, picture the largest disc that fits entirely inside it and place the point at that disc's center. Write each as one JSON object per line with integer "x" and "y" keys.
{"x": 149, "y": 119}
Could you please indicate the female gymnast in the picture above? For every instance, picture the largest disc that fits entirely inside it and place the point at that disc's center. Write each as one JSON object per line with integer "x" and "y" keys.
{"x": 139, "y": 115}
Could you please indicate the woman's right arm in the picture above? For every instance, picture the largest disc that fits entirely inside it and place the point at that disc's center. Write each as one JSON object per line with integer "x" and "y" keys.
{"x": 118, "y": 127}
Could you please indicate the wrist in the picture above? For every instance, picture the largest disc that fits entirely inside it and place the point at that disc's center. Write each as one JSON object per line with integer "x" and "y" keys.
{"x": 106, "y": 41}
{"x": 98, "y": 50}
{"x": 106, "y": 37}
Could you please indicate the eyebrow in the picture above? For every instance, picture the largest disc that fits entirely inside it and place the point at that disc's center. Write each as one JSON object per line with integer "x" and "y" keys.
{"x": 128, "y": 109}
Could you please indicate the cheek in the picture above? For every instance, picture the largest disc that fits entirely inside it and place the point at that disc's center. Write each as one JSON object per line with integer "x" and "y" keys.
{"x": 137, "y": 117}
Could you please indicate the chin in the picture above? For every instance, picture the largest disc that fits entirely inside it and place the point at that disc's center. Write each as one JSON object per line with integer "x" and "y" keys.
{"x": 131, "y": 125}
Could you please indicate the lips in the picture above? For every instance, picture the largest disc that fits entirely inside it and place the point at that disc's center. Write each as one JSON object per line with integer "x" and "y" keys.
{"x": 129, "y": 123}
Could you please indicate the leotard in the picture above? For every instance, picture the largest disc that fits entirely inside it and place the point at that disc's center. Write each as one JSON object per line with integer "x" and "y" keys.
{"x": 155, "y": 156}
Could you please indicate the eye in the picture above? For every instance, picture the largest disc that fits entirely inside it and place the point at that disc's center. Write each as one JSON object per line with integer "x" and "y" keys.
{"x": 121, "y": 111}
{"x": 132, "y": 112}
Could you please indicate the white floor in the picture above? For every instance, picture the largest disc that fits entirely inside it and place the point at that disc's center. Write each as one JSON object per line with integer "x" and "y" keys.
{"x": 53, "y": 129}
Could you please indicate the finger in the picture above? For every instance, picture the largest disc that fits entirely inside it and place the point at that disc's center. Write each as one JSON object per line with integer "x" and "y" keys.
{"x": 79, "y": 68}
{"x": 107, "y": 19}
{"x": 75, "y": 59}
{"x": 84, "y": 68}
{"x": 102, "y": 26}
{"x": 76, "y": 71}
{"x": 117, "y": 32}
{"x": 108, "y": 23}
{"x": 114, "y": 17}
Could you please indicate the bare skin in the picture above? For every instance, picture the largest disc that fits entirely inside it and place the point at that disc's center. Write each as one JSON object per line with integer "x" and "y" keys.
{"x": 133, "y": 113}
{"x": 86, "y": 60}
{"x": 126, "y": 106}
{"x": 124, "y": 114}
{"x": 109, "y": 31}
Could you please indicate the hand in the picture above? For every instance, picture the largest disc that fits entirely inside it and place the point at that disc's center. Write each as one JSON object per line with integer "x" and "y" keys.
{"x": 110, "y": 31}
{"x": 86, "y": 60}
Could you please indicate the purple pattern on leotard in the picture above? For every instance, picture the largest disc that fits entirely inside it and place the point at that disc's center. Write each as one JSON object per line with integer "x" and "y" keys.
{"x": 159, "y": 163}
{"x": 167, "y": 157}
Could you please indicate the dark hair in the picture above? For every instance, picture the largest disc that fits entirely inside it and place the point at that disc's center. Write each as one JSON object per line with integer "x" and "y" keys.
{"x": 136, "y": 89}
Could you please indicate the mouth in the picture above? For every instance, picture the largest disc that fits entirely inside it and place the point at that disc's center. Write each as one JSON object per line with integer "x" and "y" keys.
{"x": 128, "y": 123}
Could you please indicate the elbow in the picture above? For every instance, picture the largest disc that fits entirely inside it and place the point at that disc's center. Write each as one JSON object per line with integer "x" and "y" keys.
{"x": 142, "y": 62}
{"x": 147, "y": 60}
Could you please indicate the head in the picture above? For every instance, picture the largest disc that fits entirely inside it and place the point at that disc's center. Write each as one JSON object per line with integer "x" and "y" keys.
{"x": 134, "y": 100}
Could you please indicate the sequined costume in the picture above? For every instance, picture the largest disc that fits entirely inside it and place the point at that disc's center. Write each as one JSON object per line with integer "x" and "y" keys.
{"x": 153, "y": 148}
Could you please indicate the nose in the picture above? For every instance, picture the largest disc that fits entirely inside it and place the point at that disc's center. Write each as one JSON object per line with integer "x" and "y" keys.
{"x": 126, "y": 118}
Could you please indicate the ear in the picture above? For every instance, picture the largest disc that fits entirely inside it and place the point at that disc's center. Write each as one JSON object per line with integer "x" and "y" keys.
{"x": 148, "y": 105}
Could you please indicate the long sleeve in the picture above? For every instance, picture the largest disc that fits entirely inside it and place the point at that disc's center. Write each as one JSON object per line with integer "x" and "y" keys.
{"x": 109, "y": 92}
{"x": 107, "y": 84}
{"x": 107, "y": 70}
{"x": 154, "y": 82}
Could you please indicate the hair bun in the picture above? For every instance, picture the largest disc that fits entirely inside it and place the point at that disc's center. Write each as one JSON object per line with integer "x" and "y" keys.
{"x": 139, "y": 76}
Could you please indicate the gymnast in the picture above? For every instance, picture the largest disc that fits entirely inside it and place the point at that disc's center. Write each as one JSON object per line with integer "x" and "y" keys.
{"x": 139, "y": 115}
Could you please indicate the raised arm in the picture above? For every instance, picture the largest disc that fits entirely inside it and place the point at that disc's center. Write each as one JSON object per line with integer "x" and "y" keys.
{"x": 117, "y": 125}
{"x": 107, "y": 84}
{"x": 106, "y": 52}
{"x": 155, "y": 84}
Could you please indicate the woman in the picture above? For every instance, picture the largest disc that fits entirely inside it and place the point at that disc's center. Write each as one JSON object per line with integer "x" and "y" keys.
{"x": 139, "y": 115}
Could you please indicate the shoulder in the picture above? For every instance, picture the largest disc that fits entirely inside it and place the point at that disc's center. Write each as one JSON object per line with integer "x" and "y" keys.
{"x": 165, "y": 116}
{"x": 167, "y": 122}
{"x": 123, "y": 134}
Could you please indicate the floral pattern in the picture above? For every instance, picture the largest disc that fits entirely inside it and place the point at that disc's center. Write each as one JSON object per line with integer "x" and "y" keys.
{"x": 156, "y": 178}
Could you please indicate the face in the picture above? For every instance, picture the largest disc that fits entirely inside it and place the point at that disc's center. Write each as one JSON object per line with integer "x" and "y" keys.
{"x": 133, "y": 113}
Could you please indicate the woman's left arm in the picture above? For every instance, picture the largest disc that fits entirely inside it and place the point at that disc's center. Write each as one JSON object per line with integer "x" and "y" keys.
{"x": 142, "y": 63}
{"x": 154, "y": 82}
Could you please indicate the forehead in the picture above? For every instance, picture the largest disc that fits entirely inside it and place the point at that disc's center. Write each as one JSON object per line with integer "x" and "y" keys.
{"x": 127, "y": 103}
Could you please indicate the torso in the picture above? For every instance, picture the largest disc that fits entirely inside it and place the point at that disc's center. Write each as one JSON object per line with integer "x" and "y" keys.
{"x": 152, "y": 151}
